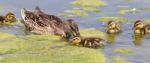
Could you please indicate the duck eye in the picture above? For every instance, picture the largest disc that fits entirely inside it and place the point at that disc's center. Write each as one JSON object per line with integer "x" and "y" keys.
{"x": 74, "y": 39}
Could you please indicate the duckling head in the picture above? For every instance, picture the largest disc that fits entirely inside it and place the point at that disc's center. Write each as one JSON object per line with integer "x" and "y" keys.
{"x": 138, "y": 24}
{"x": 10, "y": 17}
{"x": 76, "y": 41}
{"x": 111, "y": 24}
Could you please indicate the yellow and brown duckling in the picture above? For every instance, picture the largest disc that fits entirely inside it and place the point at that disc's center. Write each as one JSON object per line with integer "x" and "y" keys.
{"x": 10, "y": 18}
{"x": 141, "y": 28}
{"x": 138, "y": 27}
{"x": 90, "y": 42}
{"x": 113, "y": 27}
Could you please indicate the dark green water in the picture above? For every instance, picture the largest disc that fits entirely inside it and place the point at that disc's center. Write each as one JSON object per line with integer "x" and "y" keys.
{"x": 126, "y": 39}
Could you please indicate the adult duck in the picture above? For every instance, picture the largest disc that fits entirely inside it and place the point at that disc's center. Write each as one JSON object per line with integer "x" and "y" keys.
{"x": 41, "y": 23}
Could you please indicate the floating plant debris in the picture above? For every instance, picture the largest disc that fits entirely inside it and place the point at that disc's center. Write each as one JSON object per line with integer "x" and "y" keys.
{"x": 92, "y": 3}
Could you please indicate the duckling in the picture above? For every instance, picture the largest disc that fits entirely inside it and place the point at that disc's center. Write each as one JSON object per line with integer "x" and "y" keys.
{"x": 138, "y": 27}
{"x": 113, "y": 27}
{"x": 90, "y": 42}
{"x": 10, "y": 18}
{"x": 146, "y": 29}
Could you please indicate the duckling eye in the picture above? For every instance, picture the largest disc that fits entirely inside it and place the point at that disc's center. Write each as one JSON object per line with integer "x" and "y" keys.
{"x": 141, "y": 23}
{"x": 74, "y": 39}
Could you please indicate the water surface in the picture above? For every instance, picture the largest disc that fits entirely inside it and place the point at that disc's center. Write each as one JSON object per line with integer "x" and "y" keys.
{"x": 126, "y": 39}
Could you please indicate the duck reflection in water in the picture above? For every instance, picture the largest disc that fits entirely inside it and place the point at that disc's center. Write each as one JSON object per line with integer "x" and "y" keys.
{"x": 111, "y": 38}
{"x": 137, "y": 39}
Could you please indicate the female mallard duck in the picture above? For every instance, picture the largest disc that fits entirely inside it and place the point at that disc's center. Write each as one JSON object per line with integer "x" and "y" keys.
{"x": 40, "y": 23}
{"x": 10, "y": 18}
{"x": 90, "y": 42}
{"x": 138, "y": 26}
{"x": 113, "y": 27}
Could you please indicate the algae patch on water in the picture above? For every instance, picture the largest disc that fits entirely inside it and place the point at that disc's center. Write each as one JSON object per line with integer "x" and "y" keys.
{"x": 46, "y": 49}
{"x": 67, "y": 54}
{"x": 4, "y": 36}
{"x": 123, "y": 12}
{"x": 89, "y": 3}
{"x": 83, "y": 7}
{"x": 120, "y": 60}
{"x": 92, "y": 33}
{"x": 123, "y": 50}
{"x": 147, "y": 20}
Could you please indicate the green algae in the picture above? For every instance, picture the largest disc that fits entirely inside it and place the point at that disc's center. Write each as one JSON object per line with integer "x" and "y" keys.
{"x": 93, "y": 3}
{"x": 92, "y": 33}
{"x": 46, "y": 49}
{"x": 5, "y": 36}
{"x": 91, "y": 9}
{"x": 82, "y": 12}
{"x": 116, "y": 19}
{"x": 83, "y": 8}
{"x": 147, "y": 20}
{"x": 123, "y": 12}
{"x": 129, "y": 0}
{"x": 123, "y": 50}
{"x": 67, "y": 54}
{"x": 74, "y": 12}
{"x": 120, "y": 60}
{"x": 79, "y": 12}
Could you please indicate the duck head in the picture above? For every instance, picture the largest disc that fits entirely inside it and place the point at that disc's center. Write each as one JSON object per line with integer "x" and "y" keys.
{"x": 111, "y": 24}
{"x": 138, "y": 24}
{"x": 76, "y": 41}
{"x": 113, "y": 27}
{"x": 73, "y": 29}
